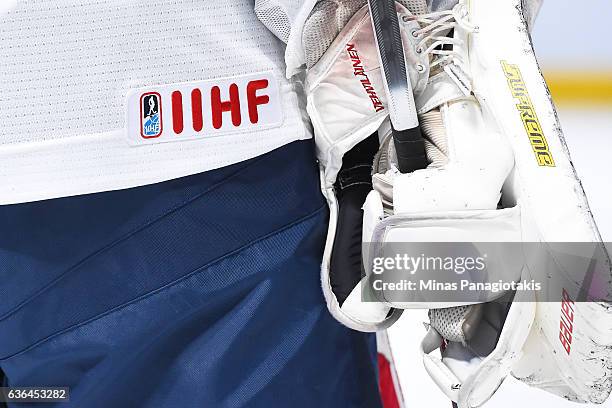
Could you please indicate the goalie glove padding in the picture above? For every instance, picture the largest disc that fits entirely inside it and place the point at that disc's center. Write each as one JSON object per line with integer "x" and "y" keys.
{"x": 470, "y": 373}
{"x": 346, "y": 104}
{"x": 353, "y": 184}
{"x": 456, "y": 324}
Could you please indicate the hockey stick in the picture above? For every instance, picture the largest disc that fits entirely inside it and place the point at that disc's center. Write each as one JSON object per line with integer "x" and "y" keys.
{"x": 407, "y": 138}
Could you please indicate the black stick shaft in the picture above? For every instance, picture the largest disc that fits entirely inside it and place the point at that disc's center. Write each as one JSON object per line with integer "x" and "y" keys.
{"x": 410, "y": 149}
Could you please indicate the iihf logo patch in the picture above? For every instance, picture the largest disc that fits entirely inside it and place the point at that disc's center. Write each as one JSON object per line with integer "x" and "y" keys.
{"x": 150, "y": 115}
{"x": 203, "y": 109}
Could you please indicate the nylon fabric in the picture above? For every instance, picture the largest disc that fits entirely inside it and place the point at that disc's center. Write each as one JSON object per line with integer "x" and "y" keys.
{"x": 67, "y": 66}
{"x": 198, "y": 292}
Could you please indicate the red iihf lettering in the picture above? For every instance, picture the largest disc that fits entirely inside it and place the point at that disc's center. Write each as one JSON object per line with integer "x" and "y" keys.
{"x": 253, "y": 100}
{"x": 218, "y": 106}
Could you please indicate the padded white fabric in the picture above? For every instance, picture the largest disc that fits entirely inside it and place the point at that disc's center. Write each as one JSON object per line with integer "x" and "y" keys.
{"x": 66, "y": 67}
{"x": 339, "y": 106}
{"x": 552, "y": 205}
{"x": 553, "y": 209}
{"x": 451, "y": 226}
{"x": 550, "y": 201}
{"x": 470, "y": 375}
{"x": 343, "y": 114}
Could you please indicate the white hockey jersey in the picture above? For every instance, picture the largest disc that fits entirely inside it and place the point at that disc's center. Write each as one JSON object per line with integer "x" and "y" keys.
{"x": 105, "y": 95}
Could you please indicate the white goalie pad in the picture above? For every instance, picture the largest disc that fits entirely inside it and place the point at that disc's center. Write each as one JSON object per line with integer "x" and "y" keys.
{"x": 554, "y": 208}
{"x": 558, "y": 343}
{"x": 567, "y": 349}
{"x": 503, "y": 174}
{"x": 417, "y": 233}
